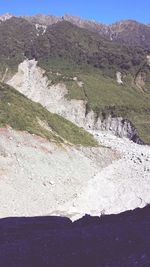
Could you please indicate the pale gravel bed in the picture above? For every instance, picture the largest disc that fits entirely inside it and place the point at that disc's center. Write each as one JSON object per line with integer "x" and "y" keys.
{"x": 38, "y": 177}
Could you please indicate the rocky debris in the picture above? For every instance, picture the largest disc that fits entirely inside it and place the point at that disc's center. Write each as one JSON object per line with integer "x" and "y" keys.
{"x": 126, "y": 181}
{"x": 42, "y": 178}
{"x": 122, "y": 184}
{"x": 32, "y": 82}
{"x": 39, "y": 177}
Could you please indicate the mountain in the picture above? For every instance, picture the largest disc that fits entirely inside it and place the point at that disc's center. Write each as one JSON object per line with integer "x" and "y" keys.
{"x": 126, "y": 31}
{"x": 74, "y": 140}
{"x": 64, "y": 40}
{"x": 118, "y": 74}
{"x": 131, "y": 32}
{"x": 42, "y": 19}
{"x": 75, "y": 117}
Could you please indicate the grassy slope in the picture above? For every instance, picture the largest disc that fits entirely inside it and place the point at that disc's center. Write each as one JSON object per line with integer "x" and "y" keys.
{"x": 21, "y": 114}
{"x": 103, "y": 94}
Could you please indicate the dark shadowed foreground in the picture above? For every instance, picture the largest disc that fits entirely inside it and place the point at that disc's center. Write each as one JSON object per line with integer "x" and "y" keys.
{"x": 117, "y": 240}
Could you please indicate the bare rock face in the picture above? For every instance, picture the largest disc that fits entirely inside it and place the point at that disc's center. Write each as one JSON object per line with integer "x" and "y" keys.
{"x": 119, "y": 77}
{"x": 88, "y": 24}
{"x": 43, "y": 19}
{"x": 131, "y": 32}
{"x": 5, "y": 17}
{"x": 32, "y": 82}
{"x": 119, "y": 127}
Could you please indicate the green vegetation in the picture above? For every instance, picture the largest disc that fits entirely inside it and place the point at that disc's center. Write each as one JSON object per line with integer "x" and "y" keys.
{"x": 66, "y": 42}
{"x": 23, "y": 114}
{"x": 103, "y": 94}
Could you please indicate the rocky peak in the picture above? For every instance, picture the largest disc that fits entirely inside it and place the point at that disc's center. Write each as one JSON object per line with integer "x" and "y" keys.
{"x": 73, "y": 19}
{"x": 5, "y": 17}
{"x": 127, "y": 25}
{"x": 43, "y": 19}
{"x": 131, "y": 32}
{"x": 87, "y": 24}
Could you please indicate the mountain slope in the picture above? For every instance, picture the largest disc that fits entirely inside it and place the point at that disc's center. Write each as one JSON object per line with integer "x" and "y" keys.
{"x": 126, "y": 31}
{"x": 88, "y": 99}
{"x": 75, "y": 80}
{"x": 20, "y": 39}
{"x": 115, "y": 78}
{"x": 22, "y": 114}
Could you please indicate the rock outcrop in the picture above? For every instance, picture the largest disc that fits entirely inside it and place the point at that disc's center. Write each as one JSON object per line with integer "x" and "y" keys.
{"x": 119, "y": 77}
{"x": 6, "y": 17}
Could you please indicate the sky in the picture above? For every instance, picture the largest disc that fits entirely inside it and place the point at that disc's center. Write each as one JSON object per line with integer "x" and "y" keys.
{"x": 105, "y": 11}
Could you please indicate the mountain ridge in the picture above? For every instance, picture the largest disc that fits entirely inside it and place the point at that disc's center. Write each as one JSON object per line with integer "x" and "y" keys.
{"x": 124, "y": 31}
{"x": 66, "y": 16}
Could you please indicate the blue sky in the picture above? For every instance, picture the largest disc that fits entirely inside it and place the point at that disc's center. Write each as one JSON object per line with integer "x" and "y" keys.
{"x": 106, "y": 11}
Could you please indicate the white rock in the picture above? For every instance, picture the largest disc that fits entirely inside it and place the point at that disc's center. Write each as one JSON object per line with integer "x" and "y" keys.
{"x": 5, "y": 17}
{"x": 41, "y": 28}
{"x": 119, "y": 77}
{"x": 148, "y": 60}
